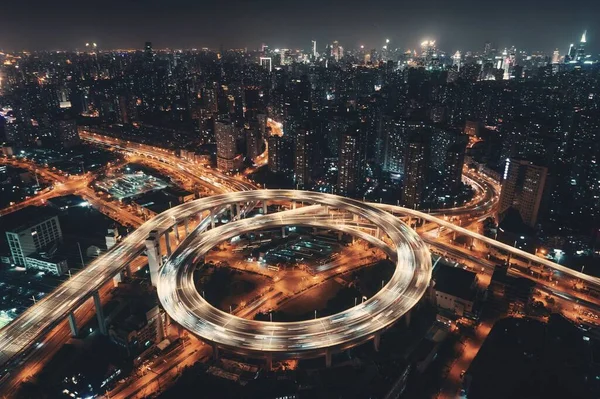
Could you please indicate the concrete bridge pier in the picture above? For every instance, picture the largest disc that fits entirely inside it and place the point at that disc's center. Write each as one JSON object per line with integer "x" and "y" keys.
{"x": 168, "y": 242}
{"x": 328, "y": 356}
{"x": 154, "y": 255}
{"x": 73, "y": 325}
{"x": 377, "y": 341}
{"x": 100, "y": 313}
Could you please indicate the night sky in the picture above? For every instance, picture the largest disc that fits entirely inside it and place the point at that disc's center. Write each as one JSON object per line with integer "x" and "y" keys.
{"x": 460, "y": 24}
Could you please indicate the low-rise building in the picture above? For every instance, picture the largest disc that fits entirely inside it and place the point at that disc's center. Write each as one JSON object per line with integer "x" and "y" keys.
{"x": 31, "y": 232}
{"x": 455, "y": 290}
{"x": 138, "y": 326}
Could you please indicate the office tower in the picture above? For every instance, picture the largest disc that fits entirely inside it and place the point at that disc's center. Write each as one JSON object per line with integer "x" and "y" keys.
{"x": 571, "y": 53}
{"x": 281, "y": 154}
{"x": 267, "y": 63}
{"x": 32, "y": 233}
{"x": 337, "y": 51}
{"x": 456, "y": 60}
{"x": 350, "y": 163}
{"x": 252, "y": 102}
{"x": 581, "y": 49}
{"x": 307, "y": 158}
{"x": 314, "y": 49}
{"x": 226, "y": 137}
{"x": 555, "y": 57}
{"x": 522, "y": 189}
{"x": 416, "y": 161}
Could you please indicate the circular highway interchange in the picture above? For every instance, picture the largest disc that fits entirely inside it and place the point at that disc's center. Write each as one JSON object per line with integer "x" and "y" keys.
{"x": 309, "y": 338}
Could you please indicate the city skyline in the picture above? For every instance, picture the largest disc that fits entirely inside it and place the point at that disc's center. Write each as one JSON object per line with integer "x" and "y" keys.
{"x": 464, "y": 26}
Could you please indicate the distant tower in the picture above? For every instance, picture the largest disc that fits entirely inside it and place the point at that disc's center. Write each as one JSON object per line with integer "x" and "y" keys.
{"x": 581, "y": 48}
{"x": 267, "y": 63}
{"x": 314, "y": 48}
{"x": 487, "y": 48}
{"x": 555, "y": 57}
{"x": 148, "y": 52}
{"x": 571, "y": 53}
{"x": 337, "y": 51}
{"x": 456, "y": 59}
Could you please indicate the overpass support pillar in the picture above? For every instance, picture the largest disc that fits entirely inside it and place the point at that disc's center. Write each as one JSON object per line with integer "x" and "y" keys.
{"x": 328, "y": 355}
{"x": 265, "y": 208}
{"x": 232, "y": 211}
{"x": 215, "y": 352}
{"x": 377, "y": 341}
{"x": 176, "y": 230}
{"x": 154, "y": 255}
{"x": 168, "y": 242}
{"x": 186, "y": 225}
{"x": 283, "y": 232}
{"x": 118, "y": 278}
{"x": 212, "y": 219}
{"x": 100, "y": 313}
{"x": 407, "y": 318}
{"x": 340, "y": 235}
{"x": 73, "y": 325}
{"x": 238, "y": 211}
{"x": 293, "y": 204}
{"x": 269, "y": 362}
{"x": 354, "y": 217}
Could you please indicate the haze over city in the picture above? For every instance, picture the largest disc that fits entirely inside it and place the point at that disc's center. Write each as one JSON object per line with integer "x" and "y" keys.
{"x": 459, "y": 25}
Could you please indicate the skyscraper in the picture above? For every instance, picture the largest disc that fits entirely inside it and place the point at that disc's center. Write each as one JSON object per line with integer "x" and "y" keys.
{"x": 522, "y": 189}
{"x": 350, "y": 163}
{"x": 307, "y": 158}
{"x": 148, "y": 52}
{"x": 395, "y": 138}
{"x": 416, "y": 162}
{"x": 281, "y": 154}
{"x": 253, "y": 142}
{"x": 337, "y": 51}
{"x": 453, "y": 165}
{"x": 581, "y": 49}
{"x": 267, "y": 63}
{"x": 226, "y": 137}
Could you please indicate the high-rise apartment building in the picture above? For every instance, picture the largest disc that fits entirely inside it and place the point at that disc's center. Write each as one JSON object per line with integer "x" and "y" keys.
{"x": 226, "y": 136}
{"x": 349, "y": 163}
{"x": 253, "y": 142}
{"x": 453, "y": 166}
{"x": 307, "y": 158}
{"x": 522, "y": 189}
{"x": 281, "y": 154}
{"x": 416, "y": 161}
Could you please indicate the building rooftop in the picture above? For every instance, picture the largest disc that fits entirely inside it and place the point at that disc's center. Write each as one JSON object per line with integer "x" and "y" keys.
{"x": 26, "y": 217}
{"x": 455, "y": 281}
{"x": 177, "y": 192}
{"x": 66, "y": 201}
